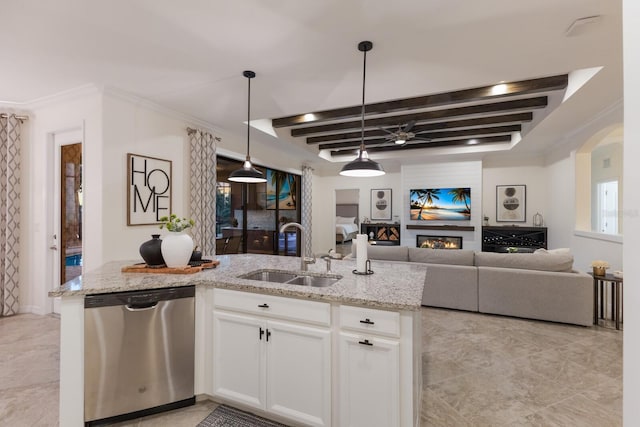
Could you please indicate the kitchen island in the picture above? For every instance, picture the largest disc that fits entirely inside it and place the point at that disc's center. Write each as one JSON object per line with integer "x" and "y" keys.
{"x": 343, "y": 343}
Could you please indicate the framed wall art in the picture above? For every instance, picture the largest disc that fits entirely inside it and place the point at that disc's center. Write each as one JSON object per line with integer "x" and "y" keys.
{"x": 381, "y": 204}
{"x": 148, "y": 189}
{"x": 511, "y": 202}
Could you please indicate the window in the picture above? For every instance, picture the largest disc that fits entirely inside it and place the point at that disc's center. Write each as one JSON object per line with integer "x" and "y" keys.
{"x": 607, "y": 212}
{"x": 249, "y": 216}
{"x": 599, "y": 182}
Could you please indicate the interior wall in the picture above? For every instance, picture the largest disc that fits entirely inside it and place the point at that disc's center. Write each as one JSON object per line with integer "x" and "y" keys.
{"x": 565, "y": 210}
{"x": 324, "y": 198}
{"x": 81, "y": 111}
{"x": 131, "y": 128}
{"x": 529, "y": 172}
{"x": 631, "y": 197}
{"x": 443, "y": 175}
{"x": 347, "y": 196}
{"x": 606, "y": 165}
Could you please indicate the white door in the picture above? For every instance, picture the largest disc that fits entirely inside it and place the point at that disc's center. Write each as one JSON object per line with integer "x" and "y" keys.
{"x": 58, "y": 248}
{"x": 238, "y": 358}
{"x": 299, "y": 372}
{"x": 369, "y": 381}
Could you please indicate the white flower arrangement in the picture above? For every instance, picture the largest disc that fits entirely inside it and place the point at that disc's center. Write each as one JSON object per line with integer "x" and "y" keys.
{"x": 176, "y": 224}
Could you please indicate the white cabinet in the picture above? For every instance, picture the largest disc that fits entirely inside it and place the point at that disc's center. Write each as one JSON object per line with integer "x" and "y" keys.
{"x": 281, "y": 366}
{"x": 369, "y": 366}
{"x": 238, "y": 358}
{"x": 299, "y": 372}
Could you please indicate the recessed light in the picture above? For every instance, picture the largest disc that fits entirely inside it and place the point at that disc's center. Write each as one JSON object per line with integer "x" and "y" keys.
{"x": 499, "y": 89}
{"x": 309, "y": 117}
{"x": 473, "y": 142}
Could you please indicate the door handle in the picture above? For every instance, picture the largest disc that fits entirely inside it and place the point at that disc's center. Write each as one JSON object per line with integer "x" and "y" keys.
{"x": 53, "y": 247}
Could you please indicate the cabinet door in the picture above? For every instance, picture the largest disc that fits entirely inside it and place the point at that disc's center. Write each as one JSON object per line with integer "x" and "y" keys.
{"x": 299, "y": 372}
{"x": 238, "y": 358}
{"x": 369, "y": 381}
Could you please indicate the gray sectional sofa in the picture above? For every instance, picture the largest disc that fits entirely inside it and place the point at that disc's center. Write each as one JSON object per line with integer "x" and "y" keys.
{"x": 539, "y": 286}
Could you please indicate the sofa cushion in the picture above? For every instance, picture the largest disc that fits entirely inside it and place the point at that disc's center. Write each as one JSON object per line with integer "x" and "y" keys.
{"x": 553, "y": 251}
{"x": 441, "y": 256}
{"x": 535, "y": 261}
{"x": 384, "y": 253}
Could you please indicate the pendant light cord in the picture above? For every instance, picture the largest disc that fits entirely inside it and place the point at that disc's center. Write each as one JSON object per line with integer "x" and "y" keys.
{"x": 248, "y": 114}
{"x": 364, "y": 78}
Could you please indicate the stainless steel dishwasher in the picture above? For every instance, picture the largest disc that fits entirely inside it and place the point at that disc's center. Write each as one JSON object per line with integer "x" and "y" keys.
{"x": 138, "y": 353}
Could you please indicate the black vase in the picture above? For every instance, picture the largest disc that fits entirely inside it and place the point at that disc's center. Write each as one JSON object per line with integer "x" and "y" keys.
{"x": 151, "y": 253}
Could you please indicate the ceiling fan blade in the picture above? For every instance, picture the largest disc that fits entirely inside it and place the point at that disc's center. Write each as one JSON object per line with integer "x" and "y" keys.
{"x": 409, "y": 126}
{"x": 386, "y": 130}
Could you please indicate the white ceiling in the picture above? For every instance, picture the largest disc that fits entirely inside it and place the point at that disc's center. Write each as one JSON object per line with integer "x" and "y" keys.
{"x": 189, "y": 55}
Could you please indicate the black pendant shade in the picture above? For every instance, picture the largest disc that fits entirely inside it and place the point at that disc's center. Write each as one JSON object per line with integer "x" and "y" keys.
{"x": 247, "y": 173}
{"x": 362, "y": 166}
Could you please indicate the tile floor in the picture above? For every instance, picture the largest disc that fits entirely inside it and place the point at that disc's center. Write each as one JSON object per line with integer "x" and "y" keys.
{"x": 479, "y": 370}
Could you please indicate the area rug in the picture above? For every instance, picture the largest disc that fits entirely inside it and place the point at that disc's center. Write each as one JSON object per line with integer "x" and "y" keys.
{"x": 226, "y": 416}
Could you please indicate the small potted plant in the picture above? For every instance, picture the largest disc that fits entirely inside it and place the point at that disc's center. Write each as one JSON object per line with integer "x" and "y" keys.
{"x": 177, "y": 246}
{"x": 599, "y": 267}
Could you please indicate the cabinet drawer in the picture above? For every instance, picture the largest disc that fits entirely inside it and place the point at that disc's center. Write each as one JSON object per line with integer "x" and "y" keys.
{"x": 370, "y": 320}
{"x": 273, "y": 306}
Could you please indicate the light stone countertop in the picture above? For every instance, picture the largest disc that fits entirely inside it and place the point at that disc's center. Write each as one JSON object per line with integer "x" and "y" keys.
{"x": 393, "y": 285}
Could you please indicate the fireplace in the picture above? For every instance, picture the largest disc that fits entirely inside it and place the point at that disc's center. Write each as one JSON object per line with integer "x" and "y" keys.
{"x": 439, "y": 242}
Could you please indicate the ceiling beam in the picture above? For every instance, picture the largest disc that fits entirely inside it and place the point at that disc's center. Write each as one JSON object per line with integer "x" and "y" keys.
{"x": 453, "y": 124}
{"x": 423, "y": 145}
{"x": 524, "y": 87}
{"x": 475, "y": 133}
{"x": 504, "y": 106}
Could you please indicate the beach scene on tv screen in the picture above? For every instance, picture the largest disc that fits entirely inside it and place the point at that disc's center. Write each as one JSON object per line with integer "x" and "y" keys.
{"x": 448, "y": 204}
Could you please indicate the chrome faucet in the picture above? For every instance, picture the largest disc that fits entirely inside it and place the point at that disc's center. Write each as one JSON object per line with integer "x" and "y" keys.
{"x": 327, "y": 259}
{"x": 304, "y": 260}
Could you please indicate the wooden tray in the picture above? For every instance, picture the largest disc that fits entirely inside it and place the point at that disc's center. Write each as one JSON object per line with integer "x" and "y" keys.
{"x": 142, "y": 268}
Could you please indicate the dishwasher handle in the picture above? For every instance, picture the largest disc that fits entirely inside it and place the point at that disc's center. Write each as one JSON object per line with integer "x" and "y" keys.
{"x": 141, "y": 306}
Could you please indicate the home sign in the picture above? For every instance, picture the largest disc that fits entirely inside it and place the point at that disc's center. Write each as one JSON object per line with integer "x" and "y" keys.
{"x": 148, "y": 189}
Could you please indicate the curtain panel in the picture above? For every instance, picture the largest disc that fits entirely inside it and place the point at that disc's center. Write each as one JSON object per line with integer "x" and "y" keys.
{"x": 202, "y": 153}
{"x": 10, "y": 127}
{"x": 307, "y": 178}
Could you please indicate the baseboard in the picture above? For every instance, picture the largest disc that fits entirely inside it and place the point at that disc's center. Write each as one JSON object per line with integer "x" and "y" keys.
{"x": 32, "y": 309}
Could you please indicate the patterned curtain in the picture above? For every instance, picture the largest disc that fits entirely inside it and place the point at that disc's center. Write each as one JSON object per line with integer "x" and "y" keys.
{"x": 9, "y": 213}
{"x": 202, "y": 147}
{"x": 307, "y": 176}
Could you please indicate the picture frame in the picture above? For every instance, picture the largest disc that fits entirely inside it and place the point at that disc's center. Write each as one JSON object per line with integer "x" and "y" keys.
{"x": 381, "y": 204}
{"x": 148, "y": 189}
{"x": 511, "y": 203}
{"x": 281, "y": 190}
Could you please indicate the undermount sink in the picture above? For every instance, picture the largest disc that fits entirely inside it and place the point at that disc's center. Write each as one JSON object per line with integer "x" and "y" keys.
{"x": 278, "y": 276}
{"x": 270, "y": 276}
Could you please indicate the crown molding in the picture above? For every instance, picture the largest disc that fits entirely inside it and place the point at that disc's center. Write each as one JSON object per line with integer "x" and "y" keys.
{"x": 64, "y": 96}
{"x": 143, "y": 102}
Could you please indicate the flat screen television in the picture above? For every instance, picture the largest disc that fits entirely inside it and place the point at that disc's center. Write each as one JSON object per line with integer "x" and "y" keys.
{"x": 440, "y": 204}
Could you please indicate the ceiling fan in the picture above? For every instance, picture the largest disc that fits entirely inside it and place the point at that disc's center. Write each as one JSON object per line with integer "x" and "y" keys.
{"x": 403, "y": 134}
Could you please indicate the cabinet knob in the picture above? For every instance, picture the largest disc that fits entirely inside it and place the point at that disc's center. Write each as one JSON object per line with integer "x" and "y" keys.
{"x": 367, "y": 322}
{"x": 264, "y": 306}
{"x": 261, "y": 334}
{"x": 365, "y": 342}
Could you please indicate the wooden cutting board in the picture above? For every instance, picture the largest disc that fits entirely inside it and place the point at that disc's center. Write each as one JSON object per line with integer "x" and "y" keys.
{"x": 142, "y": 268}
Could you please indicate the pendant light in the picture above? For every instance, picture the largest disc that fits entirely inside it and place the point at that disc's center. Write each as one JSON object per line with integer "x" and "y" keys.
{"x": 247, "y": 173}
{"x": 362, "y": 166}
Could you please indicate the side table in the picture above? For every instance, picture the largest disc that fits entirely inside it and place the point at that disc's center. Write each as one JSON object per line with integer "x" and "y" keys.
{"x": 599, "y": 283}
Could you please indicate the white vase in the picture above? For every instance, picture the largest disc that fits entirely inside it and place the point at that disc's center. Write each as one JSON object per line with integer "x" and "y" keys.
{"x": 176, "y": 249}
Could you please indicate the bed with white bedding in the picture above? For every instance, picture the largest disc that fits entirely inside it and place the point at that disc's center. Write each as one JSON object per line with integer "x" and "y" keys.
{"x": 347, "y": 225}
{"x": 345, "y": 231}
